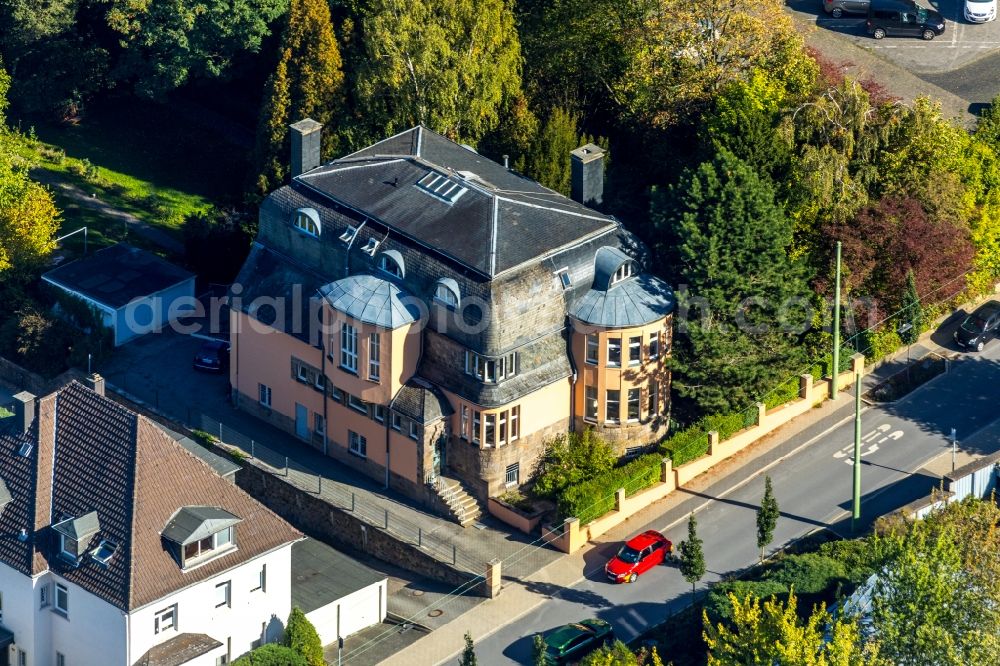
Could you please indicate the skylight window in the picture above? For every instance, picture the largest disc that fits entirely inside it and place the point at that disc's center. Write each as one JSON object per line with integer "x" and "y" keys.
{"x": 441, "y": 187}
{"x": 25, "y": 450}
{"x": 370, "y": 247}
{"x": 104, "y": 552}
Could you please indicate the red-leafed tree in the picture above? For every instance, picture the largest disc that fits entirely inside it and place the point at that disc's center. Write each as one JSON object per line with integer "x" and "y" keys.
{"x": 895, "y": 236}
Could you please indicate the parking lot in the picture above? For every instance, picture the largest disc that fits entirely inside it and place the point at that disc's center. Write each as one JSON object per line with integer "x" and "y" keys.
{"x": 964, "y": 60}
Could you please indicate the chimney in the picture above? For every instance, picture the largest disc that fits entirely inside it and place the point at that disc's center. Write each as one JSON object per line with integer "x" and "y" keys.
{"x": 587, "y": 167}
{"x": 506, "y": 161}
{"x": 24, "y": 410}
{"x": 306, "y": 137}
{"x": 95, "y": 383}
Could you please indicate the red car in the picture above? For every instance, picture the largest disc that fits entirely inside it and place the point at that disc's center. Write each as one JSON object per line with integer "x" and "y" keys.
{"x": 637, "y": 556}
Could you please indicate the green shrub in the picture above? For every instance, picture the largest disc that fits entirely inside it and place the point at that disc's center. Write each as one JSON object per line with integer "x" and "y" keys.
{"x": 855, "y": 555}
{"x": 718, "y": 606}
{"x": 594, "y": 497}
{"x": 570, "y": 459}
{"x": 205, "y": 439}
{"x": 518, "y": 500}
{"x": 272, "y": 654}
{"x": 810, "y": 573}
{"x": 301, "y": 636}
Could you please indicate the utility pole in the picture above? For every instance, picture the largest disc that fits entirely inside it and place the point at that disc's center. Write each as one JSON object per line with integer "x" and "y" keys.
{"x": 856, "y": 514}
{"x": 954, "y": 448}
{"x": 835, "y": 375}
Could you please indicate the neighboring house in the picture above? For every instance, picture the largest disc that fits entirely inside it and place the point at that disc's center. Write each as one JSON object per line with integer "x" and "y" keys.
{"x": 416, "y": 310}
{"x": 120, "y": 547}
{"x": 338, "y": 594}
{"x": 135, "y": 291}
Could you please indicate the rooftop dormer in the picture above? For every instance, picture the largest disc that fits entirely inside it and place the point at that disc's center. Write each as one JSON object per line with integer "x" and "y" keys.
{"x": 612, "y": 266}
{"x": 201, "y": 533}
{"x": 75, "y": 535}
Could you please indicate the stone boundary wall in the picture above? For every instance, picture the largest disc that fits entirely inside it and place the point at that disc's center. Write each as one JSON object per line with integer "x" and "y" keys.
{"x": 24, "y": 380}
{"x": 317, "y": 518}
{"x": 574, "y": 536}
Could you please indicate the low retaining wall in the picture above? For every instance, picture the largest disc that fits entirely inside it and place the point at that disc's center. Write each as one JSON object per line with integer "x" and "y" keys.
{"x": 573, "y": 536}
{"x": 24, "y": 380}
{"x": 515, "y": 519}
{"x": 328, "y": 523}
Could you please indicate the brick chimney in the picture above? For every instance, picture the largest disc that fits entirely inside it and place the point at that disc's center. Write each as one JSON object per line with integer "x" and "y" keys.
{"x": 95, "y": 383}
{"x": 587, "y": 170}
{"x": 24, "y": 410}
{"x": 306, "y": 139}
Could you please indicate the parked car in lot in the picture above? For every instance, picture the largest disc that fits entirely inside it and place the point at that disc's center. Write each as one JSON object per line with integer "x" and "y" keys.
{"x": 903, "y": 18}
{"x": 837, "y": 8}
{"x": 575, "y": 641}
{"x": 980, "y": 11}
{"x": 213, "y": 356}
{"x": 637, "y": 556}
{"x": 979, "y": 326}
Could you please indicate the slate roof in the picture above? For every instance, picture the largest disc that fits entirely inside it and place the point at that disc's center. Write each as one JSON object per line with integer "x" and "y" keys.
{"x": 419, "y": 400}
{"x": 99, "y": 456}
{"x": 180, "y": 649}
{"x": 5, "y": 496}
{"x": 80, "y": 528}
{"x": 501, "y": 221}
{"x": 371, "y": 300}
{"x": 322, "y": 575}
{"x": 117, "y": 275}
{"x": 636, "y": 301}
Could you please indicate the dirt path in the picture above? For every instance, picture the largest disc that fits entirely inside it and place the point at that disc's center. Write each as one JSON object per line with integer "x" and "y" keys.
{"x": 92, "y": 202}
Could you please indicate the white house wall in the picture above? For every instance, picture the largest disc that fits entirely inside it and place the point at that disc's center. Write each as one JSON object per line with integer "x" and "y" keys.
{"x": 238, "y": 625}
{"x": 358, "y": 610}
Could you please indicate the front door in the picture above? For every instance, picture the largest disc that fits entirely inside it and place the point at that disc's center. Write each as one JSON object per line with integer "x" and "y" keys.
{"x": 301, "y": 421}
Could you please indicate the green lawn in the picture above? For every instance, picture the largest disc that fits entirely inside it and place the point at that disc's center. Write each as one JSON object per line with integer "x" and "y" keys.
{"x": 144, "y": 160}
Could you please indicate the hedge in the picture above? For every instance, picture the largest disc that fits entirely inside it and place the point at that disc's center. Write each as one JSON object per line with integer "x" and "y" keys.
{"x": 595, "y": 497}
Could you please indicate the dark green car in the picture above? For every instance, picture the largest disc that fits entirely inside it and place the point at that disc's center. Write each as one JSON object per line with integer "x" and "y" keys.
{"x": 575, "y": 641}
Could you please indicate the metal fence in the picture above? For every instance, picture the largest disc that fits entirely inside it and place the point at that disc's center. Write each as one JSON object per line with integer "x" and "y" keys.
{"x": 361, "y": 504}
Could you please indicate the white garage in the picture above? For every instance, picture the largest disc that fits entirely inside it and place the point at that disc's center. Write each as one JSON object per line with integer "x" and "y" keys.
{"x": 338, "y": 594}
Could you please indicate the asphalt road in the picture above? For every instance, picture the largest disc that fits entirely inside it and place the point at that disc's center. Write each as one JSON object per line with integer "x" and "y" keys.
{"x": 813, "y": 487}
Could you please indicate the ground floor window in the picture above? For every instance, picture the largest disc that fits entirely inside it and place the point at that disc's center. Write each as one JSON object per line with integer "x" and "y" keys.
{"x": 358, "y": 444}
{"x": 654, "y": 398}
{"x": 515, "y": 422}
{"x": 264, "y": 394}
{"x": 633, "y": 404}
{"x": 612, "y": 406}
{"x": 319, "y": 424}
{"x": 513, "y": 474}
{"x": 590, "y": 400}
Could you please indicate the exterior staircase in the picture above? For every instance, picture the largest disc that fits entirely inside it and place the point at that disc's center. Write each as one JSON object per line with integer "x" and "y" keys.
{"x": 464, "y": 508}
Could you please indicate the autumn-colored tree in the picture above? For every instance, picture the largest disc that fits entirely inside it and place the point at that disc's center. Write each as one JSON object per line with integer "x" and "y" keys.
{"x": 307, "y": 83}
{"x": 772, "y": 633}
{"x": 29, "y": 218}
{"x": 448, "y": 64}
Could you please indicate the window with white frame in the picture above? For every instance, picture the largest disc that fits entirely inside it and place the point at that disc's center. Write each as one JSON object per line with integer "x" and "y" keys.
{"x": 624, "y": 271}
{"x": 490, "y": 432}
{"x": 320, "y": 382}
{"x": 414, "y": 430}
{"x": 319, "y": 424}
{"x": 44, "y": 596}
{"x": 264, "y": 394}
{"x": 388, "y": 264}
{"x": 357, "y": 404}
{"x": 590, "y": 403}
{"x": 302, "y": 374}
{"x": 635, "y": 350}
{"x": 349, "y": 348}
{"x": 476, "y": 426}
{"x": 378, "y": 413}
{"x": 210, "y": 546}
{"x": 515, "y": 422}
{"x": 307, "y": 221}
{"x": 614, "y": 352}
{"x": 165, "y": 619}
{"x": 612, "y": 406}
{"x": 261, "y": 579}
{"x": 513, "y": 475}
{"x": 654, "y": 345}
{"x": 633, "y": 404}
{"x": 446, "y": 294}
{"x": 593, "y": 347}
{"x": 490, "y": 370}
{"x": 223, "y": 596}
{"x": 60, "y": 659}
{"x": 397, "y": 421}
{"x": 61, "y": 601}
{"x": 654, "y": 398}
{"x": 501, "y": 428}
{"x": 22, "y": 658}
{"x": 464, "y": 432}
{"x": 374, "y": 357}
{"x": 357, "y": 443}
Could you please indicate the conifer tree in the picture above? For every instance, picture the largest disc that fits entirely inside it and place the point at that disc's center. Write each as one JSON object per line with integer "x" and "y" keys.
{"x": 301, "y": 636}
{"x": 767, "y": 517}
{"x": 307, "y": 83}
{"x": 692, "y": 556}
{"x": 469, "y": 653}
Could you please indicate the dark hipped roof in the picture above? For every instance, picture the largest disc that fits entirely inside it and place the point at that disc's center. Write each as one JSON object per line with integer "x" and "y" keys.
{"x": 179, "y": 650}
{"x": 117, "y": 275}
{"x": 194, "y": 523}
{"x": 80, "y": 528}
{"x": 419, "y": 400}
{"x": 500, "y": 221}
{"x": 635, "y": 301}
{"x": 371, "y": 300}
{"x": 5, "y": 496}
{"x": 99, "y": 456}
{"x": 322, "y": 575}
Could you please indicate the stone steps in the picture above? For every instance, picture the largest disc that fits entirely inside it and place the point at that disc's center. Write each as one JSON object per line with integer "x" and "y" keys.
{"x": 463, "y": 506}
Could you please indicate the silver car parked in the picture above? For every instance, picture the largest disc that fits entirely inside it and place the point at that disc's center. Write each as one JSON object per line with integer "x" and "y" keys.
{"x": 837, "y": 8}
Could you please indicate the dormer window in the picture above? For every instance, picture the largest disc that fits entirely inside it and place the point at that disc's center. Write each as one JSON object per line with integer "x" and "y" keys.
{"x": 370, "y": 247}
{"x": 349, "y": 233}
{"x": 201, "y": 533}
{"x": 447, "y": 293}
{"x": 624, "y": 271}
{"x": 391, "y": 262}
{"x": 75, "y": 535}
{"x": 307, "y": 221}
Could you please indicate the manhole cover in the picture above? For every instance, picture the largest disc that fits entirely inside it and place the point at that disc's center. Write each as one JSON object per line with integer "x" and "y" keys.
{"x": 437, "y": 612}
{"x": 416, "y": 593}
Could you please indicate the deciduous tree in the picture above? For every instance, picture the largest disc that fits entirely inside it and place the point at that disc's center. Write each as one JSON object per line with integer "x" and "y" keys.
{"x": 29, "y": 218}
{"x": 448, "y": 64}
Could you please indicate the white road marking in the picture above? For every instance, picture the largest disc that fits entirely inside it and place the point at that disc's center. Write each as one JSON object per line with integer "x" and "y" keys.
{"x": 896, "y": 435}
{"x": 880, "y": 433}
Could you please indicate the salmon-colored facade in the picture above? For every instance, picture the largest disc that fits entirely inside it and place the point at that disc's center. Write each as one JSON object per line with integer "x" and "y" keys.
{"x": 445, "y": 329}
